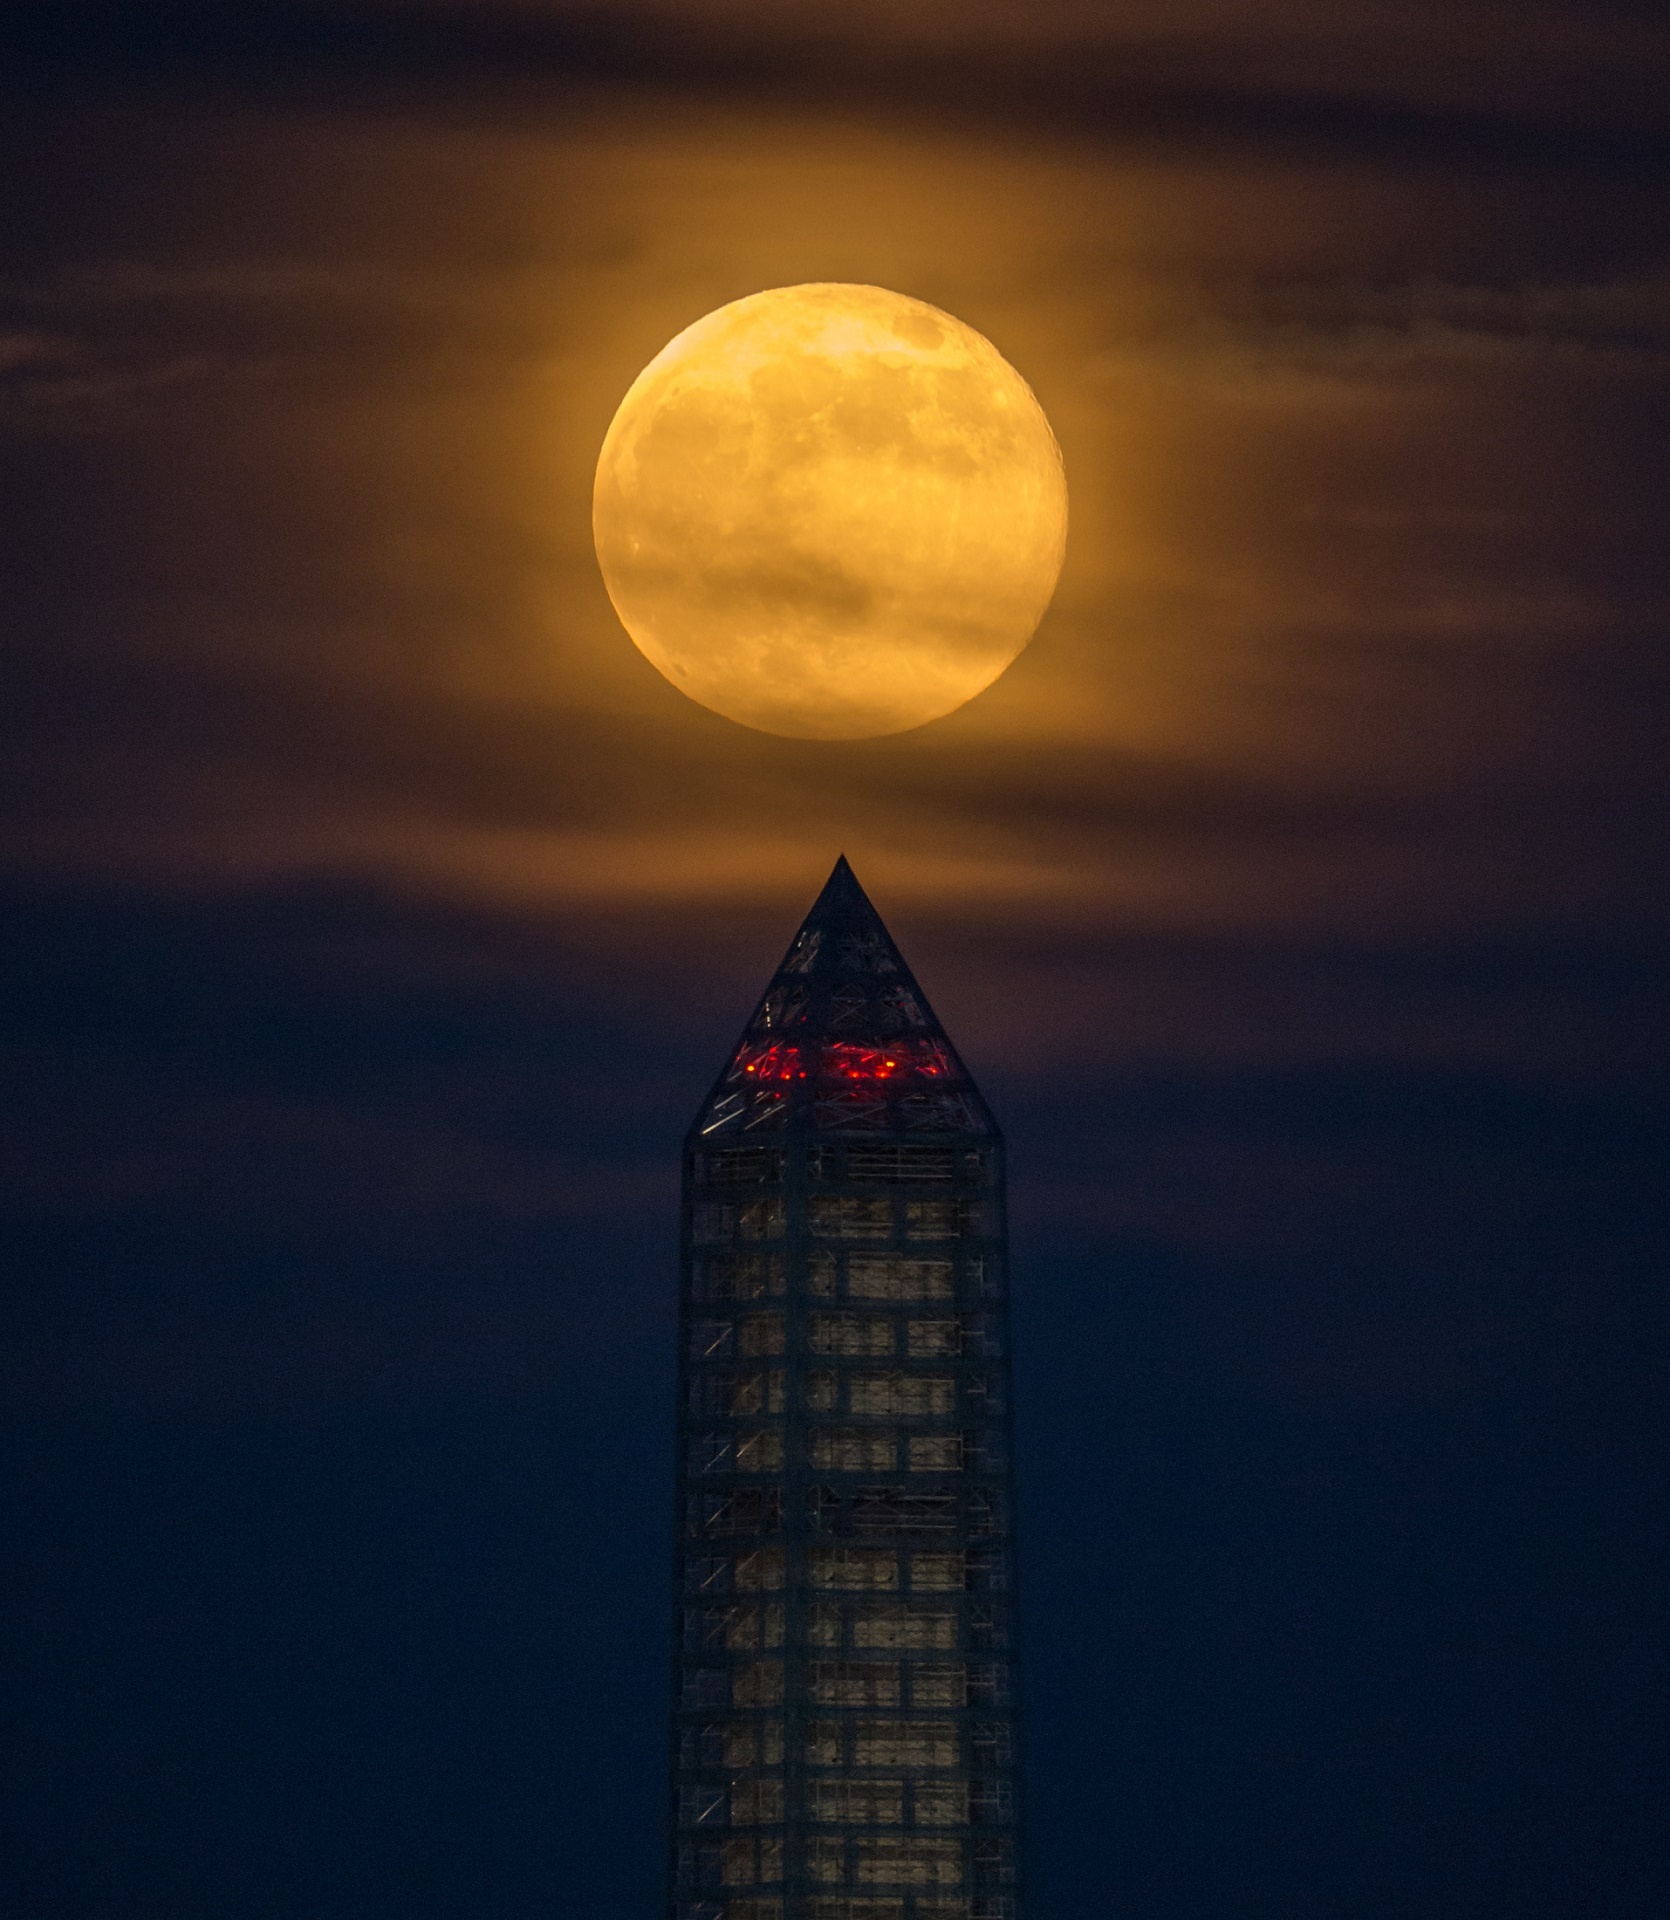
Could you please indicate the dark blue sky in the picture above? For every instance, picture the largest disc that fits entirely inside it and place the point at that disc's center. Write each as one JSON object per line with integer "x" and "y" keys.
{"x": 339, "y": 1361}
{"x": 376, "y": 918}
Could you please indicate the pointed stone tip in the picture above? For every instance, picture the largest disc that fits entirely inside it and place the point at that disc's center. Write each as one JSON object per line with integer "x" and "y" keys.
{"x": 843, "y": 1039}
{"x": 842, "y": 884}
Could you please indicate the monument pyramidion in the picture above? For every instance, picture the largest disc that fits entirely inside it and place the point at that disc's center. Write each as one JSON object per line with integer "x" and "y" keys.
{"x": 844, "y": 1738}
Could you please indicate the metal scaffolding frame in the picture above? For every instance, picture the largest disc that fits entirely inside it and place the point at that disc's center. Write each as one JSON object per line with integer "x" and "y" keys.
{"x": 844, "y": 1710}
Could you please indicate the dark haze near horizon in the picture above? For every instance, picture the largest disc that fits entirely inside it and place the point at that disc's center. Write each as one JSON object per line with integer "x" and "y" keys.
{"x": 376, "y": 919}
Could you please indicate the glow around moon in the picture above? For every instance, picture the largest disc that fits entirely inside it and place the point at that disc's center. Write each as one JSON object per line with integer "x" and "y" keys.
{"x": 830, "y": 511}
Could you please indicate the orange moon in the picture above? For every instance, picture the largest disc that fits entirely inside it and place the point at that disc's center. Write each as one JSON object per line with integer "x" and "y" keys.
{"x": 830, "y": 511}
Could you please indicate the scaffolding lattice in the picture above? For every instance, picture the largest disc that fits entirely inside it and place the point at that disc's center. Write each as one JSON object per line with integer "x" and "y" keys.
{"x": 844, "y": 1737}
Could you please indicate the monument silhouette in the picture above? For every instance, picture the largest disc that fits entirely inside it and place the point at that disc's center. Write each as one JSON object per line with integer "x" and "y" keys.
{"x": 844, "y": 1714}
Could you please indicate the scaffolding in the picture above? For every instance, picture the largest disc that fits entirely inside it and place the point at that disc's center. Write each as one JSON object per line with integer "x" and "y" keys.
{"x": 844, "y": 1715}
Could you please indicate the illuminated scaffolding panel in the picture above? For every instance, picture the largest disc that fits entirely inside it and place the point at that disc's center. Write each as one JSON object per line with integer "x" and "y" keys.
{"x": 844, "y": 1715}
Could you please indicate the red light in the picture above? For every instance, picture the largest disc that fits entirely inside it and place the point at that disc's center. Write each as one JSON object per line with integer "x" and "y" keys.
{"x": 774, "y": 1063}
{"x": 904, "y": 1060}
{"x": 846, "y": 1062}
{"x": 921, "y": 1059}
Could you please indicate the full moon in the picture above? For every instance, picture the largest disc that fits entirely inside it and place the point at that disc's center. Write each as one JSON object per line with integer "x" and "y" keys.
{"x": 830, "y": 511}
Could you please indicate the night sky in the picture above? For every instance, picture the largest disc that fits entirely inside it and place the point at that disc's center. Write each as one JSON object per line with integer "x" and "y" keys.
{"x": 376, "y": 917}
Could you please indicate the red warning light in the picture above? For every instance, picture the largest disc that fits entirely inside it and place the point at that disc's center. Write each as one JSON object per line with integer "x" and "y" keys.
{"x": 842, "y": 1061}
{"x": 773, "y": 1063}
{"x": 907, "y": 1060}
